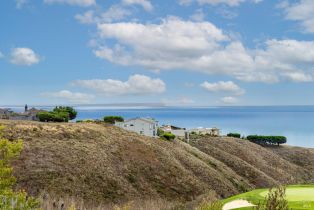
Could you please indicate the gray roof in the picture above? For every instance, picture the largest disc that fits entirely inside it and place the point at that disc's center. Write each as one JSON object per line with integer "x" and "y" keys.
{"x": 172, "y": 127}
{"x": 4, "y": 111}
{"x": 148, "y": 120}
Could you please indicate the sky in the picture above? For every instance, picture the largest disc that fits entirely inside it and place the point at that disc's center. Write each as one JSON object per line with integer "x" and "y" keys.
{"x": 174, "y": 52}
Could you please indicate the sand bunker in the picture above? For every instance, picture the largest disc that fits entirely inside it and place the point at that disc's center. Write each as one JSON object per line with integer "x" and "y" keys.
{"x": 237, "y": 204}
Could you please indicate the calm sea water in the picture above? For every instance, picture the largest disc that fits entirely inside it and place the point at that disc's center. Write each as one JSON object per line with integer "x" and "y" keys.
{"x": 294, "y": 122}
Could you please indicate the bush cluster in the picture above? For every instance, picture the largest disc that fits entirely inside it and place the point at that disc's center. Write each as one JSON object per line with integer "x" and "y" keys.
{"x": 53, "y": 117}
{"x": 59, "y": 114}
{"x": 168, "y": 136}
{"x": 267, "y": 140}
{"x": 113, "y": 119}
{"x": 235, "y": 135}
{"x": 66, "y": 109}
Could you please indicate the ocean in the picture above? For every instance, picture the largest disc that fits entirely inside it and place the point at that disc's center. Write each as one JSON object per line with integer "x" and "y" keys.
{"x": 294, "y": 122}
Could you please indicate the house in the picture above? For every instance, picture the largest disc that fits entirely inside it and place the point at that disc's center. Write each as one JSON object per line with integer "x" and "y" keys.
{"x": 28, "y": 114}
{"x": 4, "y": 113}
{"x": 206, "y": 131}
{"x": 180, "y": 132}
{"x": 142, "y": 126}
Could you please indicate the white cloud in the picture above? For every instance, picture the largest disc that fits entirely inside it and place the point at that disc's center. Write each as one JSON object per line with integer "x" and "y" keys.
{"x": 221, "y": 86}
{"x": 135, "y": 85}
{"x": 199, "y": 15}
{"x": 227, "y": 13}
{"x": 144, "y": 3}
{"x": 20, "y": 3}
{"x": 202, "y": 47}
{"x": 185, "y": 2}
{"x": 230, "y": 3}
{"x": 83, "y": 3}
{"x": 229, "y": 100}
{"x": 24, "y": 57}
{"x": 114, "y": 13}
{"x": 1, "y": 55}
{"x": 299, "y": 77}
{"x": 172, "y": 44}
{"x": 70, "y": 96}
{"x": 87, "y": 17}
{"x": 301, "y": 11}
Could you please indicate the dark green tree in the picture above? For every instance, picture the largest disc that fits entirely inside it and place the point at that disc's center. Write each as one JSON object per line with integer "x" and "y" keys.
{"x": 235, "y": 135}
{"x": 267, "y": 140}
{"x": 53, "y": 116}
{"x": 67, "y": 109}
{"x": 113, "y": 119}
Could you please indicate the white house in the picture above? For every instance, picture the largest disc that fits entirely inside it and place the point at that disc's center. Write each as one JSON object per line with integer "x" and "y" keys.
{"x": 180, "y": 132}
{"x": 143, "y": 126}
{"x": 206, "y": 131}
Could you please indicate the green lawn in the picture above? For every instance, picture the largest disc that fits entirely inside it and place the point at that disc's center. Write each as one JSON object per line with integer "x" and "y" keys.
{"x": 299, "y": 197}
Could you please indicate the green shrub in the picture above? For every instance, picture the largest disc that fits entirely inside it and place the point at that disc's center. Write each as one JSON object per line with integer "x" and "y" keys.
{"x": 267, "y": 140}
{"x": 66, "y": 109}
{"x": 234, "y": 135}
{"x": 276, "y": 199}
{"x": 113, "y": 119}
{"x": 217, "y": 205}
{"x": 60, "y": 117}
{"x": 53, "y": 116}
{"x": 45, "y": 116}
{"x": 9, "y": 199}
{"x": 160, "y": 132}
{"x": 89, "y": 121}
{"x": 168, "y": 136}
{"x": 59, "y": 114}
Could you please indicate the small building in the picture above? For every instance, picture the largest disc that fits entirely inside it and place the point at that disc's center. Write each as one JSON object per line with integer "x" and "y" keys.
{"x": 142, "y": 126}
{"x": 28, "y": 114}
{"x": 4, "y": 113}
{"x": 206, "y": 131}
{"x": 180, "y": 132}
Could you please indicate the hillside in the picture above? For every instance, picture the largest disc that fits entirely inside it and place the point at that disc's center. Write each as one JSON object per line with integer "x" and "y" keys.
{"x": 101, "y": 163}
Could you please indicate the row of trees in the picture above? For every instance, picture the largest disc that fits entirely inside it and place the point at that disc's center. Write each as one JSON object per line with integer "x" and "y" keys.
{"x": 262, "y": 140}
{"x": 267, "y": 140}
{"x": 234, "y": 135}
{"x": 58, "y": 114}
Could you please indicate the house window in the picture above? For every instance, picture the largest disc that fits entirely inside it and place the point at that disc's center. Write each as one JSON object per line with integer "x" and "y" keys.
{"x": 131, "y": 125}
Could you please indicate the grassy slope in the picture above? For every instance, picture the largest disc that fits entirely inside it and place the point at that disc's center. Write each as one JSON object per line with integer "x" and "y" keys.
{"x": 298, "y": 196}
{"x": 261, "y": 166}
{"x": 105, "y": 163}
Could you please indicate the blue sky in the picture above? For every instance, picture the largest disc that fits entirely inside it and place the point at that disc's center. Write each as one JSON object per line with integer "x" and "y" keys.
{"x": 176, "y": 52}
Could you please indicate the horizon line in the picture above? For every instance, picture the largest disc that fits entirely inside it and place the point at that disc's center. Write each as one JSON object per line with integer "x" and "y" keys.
{"x": 150, "y": 105}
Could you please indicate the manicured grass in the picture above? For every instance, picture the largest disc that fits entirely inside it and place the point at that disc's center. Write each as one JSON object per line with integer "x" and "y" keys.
{"x": 299, "y": 197}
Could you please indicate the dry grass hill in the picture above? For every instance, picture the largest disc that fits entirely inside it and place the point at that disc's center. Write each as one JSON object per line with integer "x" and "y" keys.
{"x": 104, "y": 164}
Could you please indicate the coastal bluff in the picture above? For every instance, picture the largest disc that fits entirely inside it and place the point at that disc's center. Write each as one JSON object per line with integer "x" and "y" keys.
{"x": 102, "y": 164}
